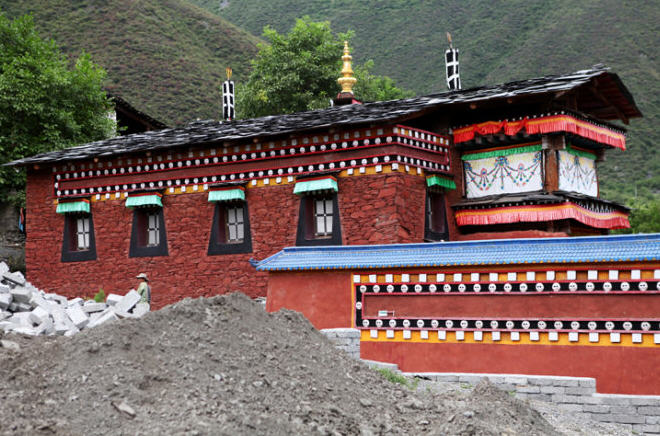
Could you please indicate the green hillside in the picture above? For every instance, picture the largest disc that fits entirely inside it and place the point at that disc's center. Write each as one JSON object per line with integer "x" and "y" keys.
{"x": 166, "y": 57}
{"x": 499, "y": 41}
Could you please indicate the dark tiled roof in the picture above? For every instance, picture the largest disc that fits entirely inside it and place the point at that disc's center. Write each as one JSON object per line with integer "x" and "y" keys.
{"x": 339, "y": 116}
{"x": 592, "y": 249}
{"x": 532, "y": 198}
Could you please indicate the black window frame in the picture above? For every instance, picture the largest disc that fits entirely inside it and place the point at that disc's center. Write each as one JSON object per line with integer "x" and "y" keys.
{"x": 218, "y": 244}
{"x": 305, "y": 235}
{"x": 70, "y": 252}
{"x": 431, "y": 233}
{"x": 138, "y": 246}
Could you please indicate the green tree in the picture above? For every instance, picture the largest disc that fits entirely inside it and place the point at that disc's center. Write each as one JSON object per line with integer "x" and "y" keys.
{"x": 44, "y": 104}
{"x": 298, "y": 71}
{"x": 644, "y": 216}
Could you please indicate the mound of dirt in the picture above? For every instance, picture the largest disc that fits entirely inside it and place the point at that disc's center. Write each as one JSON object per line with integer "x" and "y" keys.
{"x": 222, "y": 365}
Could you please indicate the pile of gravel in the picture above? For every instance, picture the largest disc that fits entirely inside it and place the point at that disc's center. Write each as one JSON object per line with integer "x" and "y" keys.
{"x": 222, "y": 365}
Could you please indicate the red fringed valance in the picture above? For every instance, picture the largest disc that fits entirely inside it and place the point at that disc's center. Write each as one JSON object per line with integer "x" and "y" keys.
{"x": 536, "y": 213}
{"x": 549, "y": 124}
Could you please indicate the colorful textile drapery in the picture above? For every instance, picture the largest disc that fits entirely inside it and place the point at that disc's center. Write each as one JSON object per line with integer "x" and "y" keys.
{"x": 80, "y": 206}
{"x": 541, "y": 125}
{"x": 227, "y": 194}
{"x": 542, "y": 212}
{"x": 503, "y": 174}
{"x": 440, "y": 182}
{"x": 145, "y": 200}
{"x": 577, "y": 173}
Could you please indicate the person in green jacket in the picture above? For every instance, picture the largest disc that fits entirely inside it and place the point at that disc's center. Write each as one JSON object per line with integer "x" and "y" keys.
{"x": 144, "y": 289}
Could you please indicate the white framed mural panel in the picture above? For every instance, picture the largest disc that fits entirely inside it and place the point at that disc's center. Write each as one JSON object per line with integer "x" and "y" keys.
{"x": 509, "y": 174}
{"x": 577, "y": 174}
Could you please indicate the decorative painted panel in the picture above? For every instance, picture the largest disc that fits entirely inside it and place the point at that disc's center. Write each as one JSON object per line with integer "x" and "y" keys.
{"x": 577, "y": 174}
{"x": 503, "y": 174}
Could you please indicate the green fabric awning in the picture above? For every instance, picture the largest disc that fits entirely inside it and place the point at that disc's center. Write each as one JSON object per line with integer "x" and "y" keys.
{"x": 440, "y": 182}
{"x": 580, "y": 153}
{"x": 73, "y": 207}
{"x": 144, "y": 200}
{"x": 227, "y": 195}
{"x": 503, "y": 152}
{"x": 324, "y": 184}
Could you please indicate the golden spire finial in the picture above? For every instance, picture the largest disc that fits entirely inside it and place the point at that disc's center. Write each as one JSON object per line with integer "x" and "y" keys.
{"x": 347, "y": 80}
{"x": 228, "y": 71}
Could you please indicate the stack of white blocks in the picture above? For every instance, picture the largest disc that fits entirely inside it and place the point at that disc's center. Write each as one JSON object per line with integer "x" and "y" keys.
{"x": 28, "y": 310}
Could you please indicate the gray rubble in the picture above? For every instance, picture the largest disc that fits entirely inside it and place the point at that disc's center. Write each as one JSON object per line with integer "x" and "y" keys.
{"x": 27, "y": 310}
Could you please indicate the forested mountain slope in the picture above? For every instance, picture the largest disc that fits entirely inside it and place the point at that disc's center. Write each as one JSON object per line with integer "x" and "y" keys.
{"x": 166, "y": 57}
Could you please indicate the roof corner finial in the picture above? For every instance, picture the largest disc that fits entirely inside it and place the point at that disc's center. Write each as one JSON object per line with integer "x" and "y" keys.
{"x": 228, "y": 71}
{"x": 347, "y": 81}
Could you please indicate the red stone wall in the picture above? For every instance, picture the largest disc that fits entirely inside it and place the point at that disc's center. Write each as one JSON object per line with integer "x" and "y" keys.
{"x": 374, "y": 209}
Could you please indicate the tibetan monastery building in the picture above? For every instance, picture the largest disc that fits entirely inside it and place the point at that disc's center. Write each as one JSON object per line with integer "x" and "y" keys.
{"x": 194, "y": 206}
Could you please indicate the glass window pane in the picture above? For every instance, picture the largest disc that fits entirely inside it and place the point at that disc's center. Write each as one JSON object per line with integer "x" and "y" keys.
{"x": 320, "y": 225}
{"x": 231, "y": 215}
{"x": 328, "y": 224}
{"x": 241, "y": 230}
{"x": 239, "y": 214}
{"x": 328, "y": 207}
{"x": 232, "y": 232}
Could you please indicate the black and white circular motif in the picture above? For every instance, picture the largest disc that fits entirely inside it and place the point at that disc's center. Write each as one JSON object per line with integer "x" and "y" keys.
{"x": 525, "y": 324}
{"x": 435, "y": 323}
{"x": 572, "y": 286}
{"x": 461, "y": 287}
{"x": 523, "y": 287}
{"x": 365, "y": 322}
{"x": 406, "y": 323}
{"x": 363, "y": 288}
{"x": 376, "y": 288}
{"x": 591, "y": 325}
{"x": 492, "y": 287}
{"x": 575, "y": 325}
{"x": 625, "y": 286}
{"x": 433, "y": 288}
{"x": 607, "y": 286}
{"x": 646, "y": 326}
{"x": 556, "y": 287}
{"x": 404, "y": 288}
{"x": 446, "y": 288}
{"x": 609, "y": 325}
{"x": 539, "y": 287}
{"x": 464, "y": 324}
{"x": 476, "y": 287}
{"x": 590, "y": 286}
{"x": 392, "y": 323}
{"x": 509, "y": 324}
{"x": 494, "y": 324}
{"x": 657, "y": 285}
{"x": 418, "y": 288}
{"x": 643, "y": 286}
{"x": 358, "y": 305}
{"x": 420, "y": 323}
{"x": 541, "y": 324}
{"x": 507, "y": 287}
{"x": 627, "y": 325}
{"x": 449, "y": 323}
{"x": 479, "y": 324}
{"x": 379, "y": 323}
{"x": 390, "y": 288}
{"x": 558, "y": 325}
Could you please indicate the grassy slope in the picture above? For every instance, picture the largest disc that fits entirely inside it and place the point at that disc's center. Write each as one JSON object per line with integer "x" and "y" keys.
{"x": 166, "y": 57}
{"x": 499, "y": 41}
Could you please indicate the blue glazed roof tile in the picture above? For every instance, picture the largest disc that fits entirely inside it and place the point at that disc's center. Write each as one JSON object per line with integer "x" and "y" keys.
{"x": 617, "y": 248}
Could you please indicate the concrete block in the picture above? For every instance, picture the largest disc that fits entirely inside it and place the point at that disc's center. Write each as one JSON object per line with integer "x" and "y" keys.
{"x": 19, "y": 307}
{"x": 6, "y": 326}
{"x": 46, "y": 327}
{"x": 472, "y": 379}
{"x": 21, "y": 294}
{"x": 113, "y": 299}
{"x": 39, "y": 315}
{"x": 30, "y": 331}
{"x": 22, "y": 319}
{"x": 653, "y": 419}
{"x": 105, "y": 316}
{"x": 71, "y": 332}
{"x": 141, "y": 309}
{"x": 649, "y": 410}
{"x": 14, "y": 277}
{"x": 579, "y": 391}
{"x": 516, "y": 380}
{"x": 121, "y": 315}
{"x": 94, "y": 307}
{"x": 625, "y": 418}
{"x": 59, "y": 299}
{"x": 642, "y": 400}
{"x": 588, "y": 382}
{"x": 5, "y": 300}
{"x": 538, "y": 381}
{"x": 567, "y": 382}
{"x": 615, "y": 400}
{"x": 540, "y": 397}
{"x": 128, "y": 301}
{"x": 594, "y": 408}
{"x": 4, "y": 289}
{"x": 4, "y": 315}
{"x": 559, "y": 398}
{"x": 77, "y": 315}
{"x": 528, "y": 389}
{"x": 570, "y": 407}
{"x": 75, "y": 302}
{"x": 552, "y": 390}
{"x": 4, "y": 268}
{"x": 646, "y": 428}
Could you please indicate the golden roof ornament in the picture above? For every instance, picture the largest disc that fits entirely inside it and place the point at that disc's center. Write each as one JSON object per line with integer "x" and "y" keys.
{"x": 347, "y": 80}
